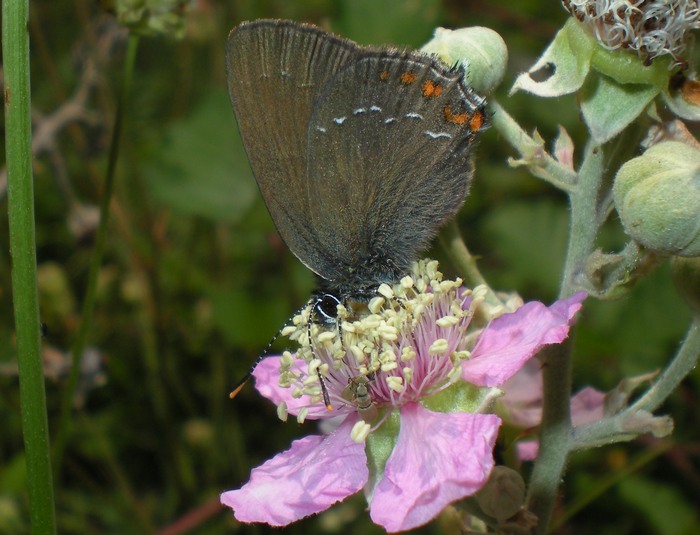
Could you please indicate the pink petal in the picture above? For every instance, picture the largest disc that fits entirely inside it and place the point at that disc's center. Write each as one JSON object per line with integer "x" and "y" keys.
{"x": 524, "y": 387}
{"x": 316, "y": 472}
{"x": 528, "y": 449}
{"x": 522, "y": 403}
{"x": 524, "y": 416}
{"x": 587, "y": 406}
{"x": 267, "y": 374}
{"x": 439, "y": 458}
{"x": 510, "y": 340}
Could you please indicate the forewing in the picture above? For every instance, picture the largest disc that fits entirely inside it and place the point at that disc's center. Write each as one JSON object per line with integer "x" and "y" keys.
{"x": 389, "y": 156}
{"x": 276, "y": 70}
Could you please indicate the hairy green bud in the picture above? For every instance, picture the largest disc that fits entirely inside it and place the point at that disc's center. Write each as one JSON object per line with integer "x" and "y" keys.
{"x": 658, "y": 198}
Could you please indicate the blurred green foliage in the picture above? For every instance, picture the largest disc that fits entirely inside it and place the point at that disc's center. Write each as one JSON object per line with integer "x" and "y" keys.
{"x": 195, "y": 279}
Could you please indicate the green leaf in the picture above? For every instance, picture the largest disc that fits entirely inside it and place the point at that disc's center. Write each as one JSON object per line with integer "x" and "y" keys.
{"x": 618, "y": 348}
{"x": 13, "y": 476}
{"x": 201, "y": 167}
{"x": 608, "y": 106}
{"x": 570, "y": 58}
{"x": 663, "y": 506}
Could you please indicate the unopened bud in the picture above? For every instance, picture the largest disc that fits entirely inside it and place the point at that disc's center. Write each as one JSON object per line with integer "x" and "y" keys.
{"x": 503, "y": 494}
{"x": 481, "y": 50}
{"x": 658, "y": 198}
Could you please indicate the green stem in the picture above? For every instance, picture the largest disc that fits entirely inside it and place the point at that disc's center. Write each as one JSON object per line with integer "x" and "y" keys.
{"x": 96, "y": 261}
{"x": 555, "y": 431}
{"x": 583, "y": 229}
{"x": 15, "y": 50}
{"x": 532, "y": 151}
{"x": 452, "y": 241}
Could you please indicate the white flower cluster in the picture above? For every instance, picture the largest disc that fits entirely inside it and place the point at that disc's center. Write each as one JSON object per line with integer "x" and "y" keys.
{"x": 650, "y": 28}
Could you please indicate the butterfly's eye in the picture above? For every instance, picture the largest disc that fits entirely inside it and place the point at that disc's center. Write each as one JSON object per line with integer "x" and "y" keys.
{"x": 325, "y": 310}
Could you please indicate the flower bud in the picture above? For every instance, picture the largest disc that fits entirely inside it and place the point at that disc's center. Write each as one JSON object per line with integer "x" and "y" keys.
{"x": 686, "y": 276}
{"x": 481, "y": 50}
{"x": 658, "y": 198}
{"x": 503, "y": 494}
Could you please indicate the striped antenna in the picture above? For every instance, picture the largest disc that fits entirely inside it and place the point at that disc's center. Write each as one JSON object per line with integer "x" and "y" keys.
{"x": 324, "y": 391}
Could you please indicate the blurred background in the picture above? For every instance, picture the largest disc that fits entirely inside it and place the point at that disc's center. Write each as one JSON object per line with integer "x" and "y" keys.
{"x": 195, "y": 280}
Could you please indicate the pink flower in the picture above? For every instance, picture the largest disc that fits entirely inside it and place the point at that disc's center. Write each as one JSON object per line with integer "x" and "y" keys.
{"x": 409, "y": 382}
{"x": 521, "y": 405}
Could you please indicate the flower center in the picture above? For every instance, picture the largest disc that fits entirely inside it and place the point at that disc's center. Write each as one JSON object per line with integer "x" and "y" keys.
{"x": 405, "y": 344}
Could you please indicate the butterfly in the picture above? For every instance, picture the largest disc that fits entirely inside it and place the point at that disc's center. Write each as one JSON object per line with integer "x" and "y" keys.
{"x": 360, "y": 153}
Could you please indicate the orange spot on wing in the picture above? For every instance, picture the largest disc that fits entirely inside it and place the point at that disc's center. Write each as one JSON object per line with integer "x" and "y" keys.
{"x": 476, "y": 122}
{"x": 431, "y": 89}
{"x": 384, "y": 75}
{"x": 455, "y": 118}
{"x": 408, "y": 77}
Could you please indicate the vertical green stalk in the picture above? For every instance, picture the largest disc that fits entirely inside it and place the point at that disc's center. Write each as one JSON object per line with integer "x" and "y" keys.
{"x": 20, "y": 194}
{"x": 555, "y": 430}
{"x": 65, "y": 423}
{"x": 584, "y": 218}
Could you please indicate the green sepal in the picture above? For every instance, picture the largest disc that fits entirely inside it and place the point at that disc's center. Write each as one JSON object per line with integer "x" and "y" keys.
{"x": 623, "y": 66}
{"x": 378, "y": 447}
{"x": 626, "y": 67}
{"x": 460, "y": 397}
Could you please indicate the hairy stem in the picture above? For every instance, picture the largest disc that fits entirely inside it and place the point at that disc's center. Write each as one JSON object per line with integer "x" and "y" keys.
{"x": 637, "y": 419}
{"x": 555, "y": 431}
{"x": 539, "y": 162}
{"x": 583, "y": 229}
